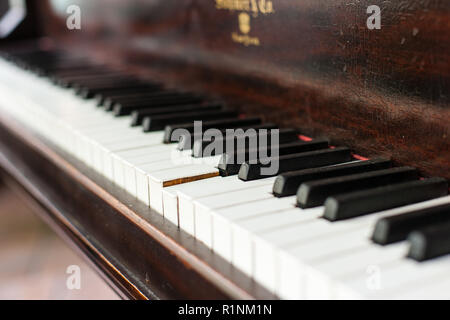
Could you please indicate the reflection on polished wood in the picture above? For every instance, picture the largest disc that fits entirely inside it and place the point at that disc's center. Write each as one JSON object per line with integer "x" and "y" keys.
{"x": 316, "y": 66}
{"x": 382, "y": 92}
{"x": 35, "y": 260}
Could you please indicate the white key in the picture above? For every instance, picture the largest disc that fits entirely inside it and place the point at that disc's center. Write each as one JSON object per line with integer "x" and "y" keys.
{"x": 398, "y": 277}
{"x": 167, "y": 173}
{"x": 432, "y": 288}
{"x": 190, "y": 199}
{"x": 191, "y": 190}
{"x": 166, "y": 178}
{"x": 151, "y": 162}
{"x": 223, "y": 220}
{"x": 354, "y": 235}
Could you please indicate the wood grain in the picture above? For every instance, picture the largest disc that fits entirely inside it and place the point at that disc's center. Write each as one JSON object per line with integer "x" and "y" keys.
{"x": 381, "y": 92}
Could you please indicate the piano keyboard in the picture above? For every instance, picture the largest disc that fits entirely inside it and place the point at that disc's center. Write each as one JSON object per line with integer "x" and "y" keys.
{"x": 326, "y": 226}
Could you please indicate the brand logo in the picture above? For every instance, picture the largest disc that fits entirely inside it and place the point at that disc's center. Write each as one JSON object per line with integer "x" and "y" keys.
{"x": 248, "y": 10}
{"x": 244, "y": 23}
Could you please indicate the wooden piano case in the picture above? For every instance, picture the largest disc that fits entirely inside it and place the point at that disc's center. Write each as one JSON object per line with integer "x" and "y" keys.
{"x": 312, "y": 64}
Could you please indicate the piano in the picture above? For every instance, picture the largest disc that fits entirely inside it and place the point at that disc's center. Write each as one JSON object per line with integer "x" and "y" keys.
{"x": 100, "y": 107}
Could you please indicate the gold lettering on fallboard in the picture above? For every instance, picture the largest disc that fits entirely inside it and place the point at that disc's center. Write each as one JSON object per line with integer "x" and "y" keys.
{"x": 248, "y": 10}
{"x": 244, "y": 23}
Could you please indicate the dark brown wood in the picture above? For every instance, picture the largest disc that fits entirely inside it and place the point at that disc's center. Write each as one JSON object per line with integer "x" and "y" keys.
{"x": 31, "y": 26}
{"x": 141, "y": 255}
{"x": 317, "y": 66}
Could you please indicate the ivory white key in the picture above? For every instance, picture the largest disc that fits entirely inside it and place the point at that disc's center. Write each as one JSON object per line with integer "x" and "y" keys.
{"x": 167, "y": 173}
{"x": 227, "y": 189}
{"x": 437, "y": 288}
{"x": 221, "y": 221}
{"x": 129, "y": 158}
{"x": 296, "y": 256}
{"x": 182, "y": 174}
{"x": 265, "y": 239}
{"x": 397, "y": 277}
{"x": 128, "y": 168}
{"x": 170, "y": 194}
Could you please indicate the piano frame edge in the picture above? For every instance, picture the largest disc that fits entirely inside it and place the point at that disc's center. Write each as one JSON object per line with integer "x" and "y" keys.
{"x": 137, "y": 252}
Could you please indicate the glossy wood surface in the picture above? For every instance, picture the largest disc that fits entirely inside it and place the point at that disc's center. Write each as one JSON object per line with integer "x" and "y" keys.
{"x": 317, "y": 66}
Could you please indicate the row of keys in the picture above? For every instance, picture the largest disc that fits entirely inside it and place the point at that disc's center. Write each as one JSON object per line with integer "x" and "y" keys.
{"x": 266, "y": 226}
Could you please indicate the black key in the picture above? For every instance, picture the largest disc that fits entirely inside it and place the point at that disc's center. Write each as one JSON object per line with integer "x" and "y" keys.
{"x": 78, "y": 71}
{"x": 230, "y": 163}
{"x": 355, "y": 204}
{"x": 101, "y": 94}
{"x": 397, "y": 228}
{"x": 92, "y": 89}
{"x": 107, "y": 93}
{"x": 314, "y": 193}
{"x": 74, "y": 67}
{"x": 288, "y": 183}
{"x": 80, "y": 88}
{"x": 157, "y": 123}
{"x": 89, "y": 75}
{"x": 97, "y": 93}
{"x": 138, "y": 116}
{"x": 76, "y": 82}
{"x": 429, "y": 243}
{"x": 186, "y": 142}
{"x": 138, "y": 98}
{"x": 294, "y": 162}
{"x": 208, "y": 148}
{"x": 121, "y": 109}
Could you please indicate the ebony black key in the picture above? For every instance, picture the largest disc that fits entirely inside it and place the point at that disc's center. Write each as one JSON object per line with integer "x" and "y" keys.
{"x": 139, "y": 99}
{"x": 186, "y": 141}
{"x": 126, "y": 98}
{"x": 88, "y": 75}
{"x": 145, "y": 88}
{"x": 314, "y": 193}
{"x": 397, "y": 228}
{"x": 429, "y": 243}
{"x": 355, "y": 204}
{"x": 157, "y": 123}
{"x": 66, "y": 67}
{"x": 101, "y": 94}
{"x": 92, "y": 88}
{"x": 78, "y": 71}
{"x": 121, "y": 109}
{"x": 288, "y": 183}
{"x": 138, "y": 116}
{"x": 230, "y": 163}
{"x": 76, "y": 82}
{"x": 208, "y": 148}
{"x": 312, "y": 159}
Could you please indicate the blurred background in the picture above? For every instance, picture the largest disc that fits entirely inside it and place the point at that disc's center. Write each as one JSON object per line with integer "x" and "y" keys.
{"x": 33, "y": 260}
